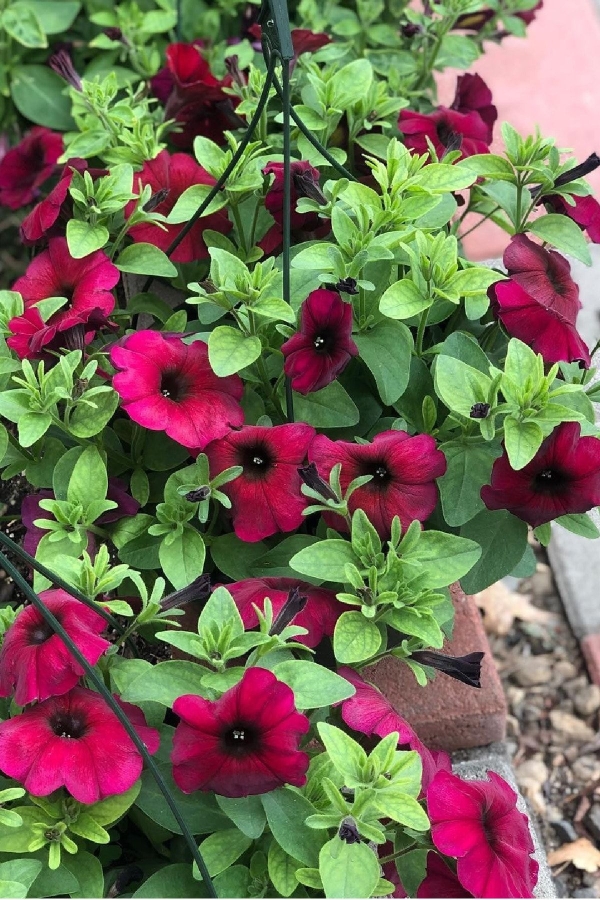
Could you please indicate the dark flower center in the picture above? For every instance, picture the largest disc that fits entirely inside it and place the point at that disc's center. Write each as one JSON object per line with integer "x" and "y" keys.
{"x": 240, "y": 739}
{"x": 324, "y": 342}
{"x": 68, "y": 725}
{"x": 173, "y": 386}
{"x": 380, "y": 472}
{"x": 40, "y": 633}
{"x": 257, "y": 460}
{"x": 447, "y": 136}
{"x": 559, "y": 283}
{"x": 549, "y": 480}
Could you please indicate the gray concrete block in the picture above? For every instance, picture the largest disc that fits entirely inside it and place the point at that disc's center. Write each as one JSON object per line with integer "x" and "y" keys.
{"x": 475, "y": 764}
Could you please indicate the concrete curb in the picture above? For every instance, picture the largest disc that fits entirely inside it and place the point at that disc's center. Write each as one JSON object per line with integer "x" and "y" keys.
{"x": 475, "y": 764}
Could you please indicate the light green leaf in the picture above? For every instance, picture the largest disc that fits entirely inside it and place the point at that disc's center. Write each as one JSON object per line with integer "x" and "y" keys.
{"x": 348, "y": 870}
{"x": 246, "y": 813}
{"x": 386, "y": 350}
{"x": 191, "y": 200}
{"x": 165, "y": 682}
{"x": 468, "y": 468}
{"x": 326, "y": 560}
{"x": 221, "y": 850}
{"x": 145, "y": 259}
{"x": 54, "y": 16}
{"x": 182, "y": 559}
{"x": 32, "y": 426}
{"x": 331, "y": 407}
{"x": 355, "y": 638}
{"x": 84, "y": 238}
{"x": 522, "y": 441}
{"x": 287, "y": 812}
{"x": 38, "y": 94}
{"x": 89, "y": 480}
{"x": 229, "y": 350}
{"x": 313, "y": 685}
{"x": 564, "y": 233}
{"x": 397, "y": 805}
{"x": 446, "y": 557}
{"x": 282, "y": 870}
{"x": 22, "y": 24}
{"x": 403, "y": 300}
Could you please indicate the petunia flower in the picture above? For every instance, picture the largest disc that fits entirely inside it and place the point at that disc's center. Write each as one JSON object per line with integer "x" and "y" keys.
{"x": 319, "y": 616}
{"x": 539, "y": 303}
{"x": 369, "y": 712}
{"x": 266, "y": 497}
{"x": 478, "y": 822}
{"x": 562, "y": 479}
{"x": 466, "y": 125}
{"x": 46, "y": 218}
{"x": 74, "y": 741}
{"x": 404, "y": 470}
{"x": 585, "y": 212}
{"x": 475, "y": 21}
{"x": 27, "y": 166}
{"x": 87, "y": 285}
{"x": 323, "y": 347}
{"x": 171, "y": 176}
{"x": 245, "y": 743}
{"x": 440, "y": 881}
{"x": 304, "y": 183}
{"x": 167, "y": 385}
{"x": 34, "y": 661}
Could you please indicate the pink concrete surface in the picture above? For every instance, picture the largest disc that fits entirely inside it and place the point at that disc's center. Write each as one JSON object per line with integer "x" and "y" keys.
{"x": 551, "y": 79}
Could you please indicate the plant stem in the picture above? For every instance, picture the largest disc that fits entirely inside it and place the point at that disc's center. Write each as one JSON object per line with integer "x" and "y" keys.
{"x": 477, "y": 224}
{"x": 421, "y": 331}
{"x": 240, "y": 228}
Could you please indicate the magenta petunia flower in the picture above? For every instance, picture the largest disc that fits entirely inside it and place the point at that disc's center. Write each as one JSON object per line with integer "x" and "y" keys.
{"x": 75, "y": 741}
{"x": 242, "y": 744}
{"x": 404, "y": 470}
{"x": 25, "y": 167}
{"x": 305, "y": 226}
{"x": 478, "y": 822}
{"x": 473, "y": 95}
{"x": 440, "y": 881}
{"x": 266, "y": 497}
{"x": 54, "y": 210}
{"x": 319, "y": 616}
{"x": 586, "y": 213}
{"x": 323, "y": 347}
{"x": 369, "y": 712}
{"x": 539, "y": 303}
{"x": 562, "y": 479}
{"x": 174, "y": 175}
{"x": 167, "y": 385}
{"x": 87, "y": 285}
{"x": 34, "y": 661}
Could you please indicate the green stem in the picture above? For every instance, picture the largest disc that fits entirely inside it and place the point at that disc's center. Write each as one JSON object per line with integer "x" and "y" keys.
{"x": 254, "y": 223}
{"x": 477, "y": 224}
{"x": 240, "y": 228}
{"x": 272, "y": 396}
{"x": 421, "y": 331}
{"x": 519, "y": 203}
{"x": 386, "y": 859}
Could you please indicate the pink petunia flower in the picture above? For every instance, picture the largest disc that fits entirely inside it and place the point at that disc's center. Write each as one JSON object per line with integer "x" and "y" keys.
{"x": 245, "y": 743}
{"x": 34, "y": 661}
{"x": 74, "y": 741}
{"x": 167, "y": 385}
{"x": 562, "y": 479}
{"x": 369, "y": 712}
{"x": 87, "y": 285}
{"x": 404, "y": 470}
{"x": 323, "y": 347}
{"x": 478, "y": 822}
{"x": 174, "y": 175}
{"x": 27, "y": 166}
{"x": 319, "y": 616}
{"x": 266, "y": 498}
{"x": 539, "y": 303}
{"x": 439, "y": 881}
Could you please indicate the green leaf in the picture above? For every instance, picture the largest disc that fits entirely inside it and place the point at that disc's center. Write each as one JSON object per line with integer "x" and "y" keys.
{"x": 222, "y": 849}
{"x": 220, "y": 610}
{"x": 487, "y": 165}
{"x": 54, "y": 16}
{"x": 191, "y": 200}
{"x": 287, "y": 812}
{"x": 412, "y": 868}
{"x": 22, "y": 24}
{"x": 348, "y": 870}
{"x": 198, "y": 810}
{"x": 89, "y": 480}
{"x": 83, "y": 238}
{"x": 403, "y": 300}
{"x": 351, "y": 81}
{"x": 234, "y": 882}
{"x": 276, "y": 562}
{"x": 345, "y": 753}
{"x": 326, "y": 560}
{"x": 460, "y": 386}
{"x": 107, "y": 811}
{"x": 313, "y": 685}
{"x": 174, "y": 880}
{"x": 503, "y": 539}
{"x": 522, "y": 441}
{"x": 182, "y": 559}
{"x": 355, "y": 638}
{"x": 331, "y": 407}
{"x": 441, "y": 178}
{"x": 235, "y": 557}
{"x": 4, "y": 442}
{"x": 386, "y": 350}
{"x": 282, "y": 870}
{"x": 145, "y": 259}
{"x": 32, "y": 426}
{"x": 580, "y": 524}
{"x": 229, "y": 350}
{"x": 19, "y": 871}
{"x": 86, "y": 420}
{"x": 564, "y": 233}
{"x": 37, "y": 92}
{"x": 469, "y": 467}
{"x": 165, "y": 682}
{"x": 87, "y": 869}
{"x": 445, "y": 557}
{"x": 246, "y": 813}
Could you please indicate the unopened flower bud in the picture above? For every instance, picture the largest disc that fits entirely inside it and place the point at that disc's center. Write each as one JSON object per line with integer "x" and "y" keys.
{"x": 199, "y": 494}
{"x": 480, "y": 411}
{"x": 347, "y": 286}
{"x": 232, "y": 64}
{"x": 313, "y": 480}
{"x": 199, "y": 589}
{"x": 464, "y": 668}
{"x": 580, "y": 171}
{"x": 155, "y": 200}
{"x": 294, "y": 604}
{"x": 308, "y": 185}
{"x": 61, "y": 63}
{"x": 348, "y": 831}
{"x": 409, "y": 29}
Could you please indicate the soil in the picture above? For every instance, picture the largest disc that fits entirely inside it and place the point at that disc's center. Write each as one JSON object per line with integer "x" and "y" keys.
{"x": 553, "y": 732}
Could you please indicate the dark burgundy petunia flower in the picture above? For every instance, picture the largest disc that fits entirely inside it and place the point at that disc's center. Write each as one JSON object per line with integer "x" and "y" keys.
{"x": 476, "y": 20}
{"x": 305, "y": 226}
{"x": 562, "y": 479}
{"x": 586, "y": 213}
{"x": 473, "y": 95}
{"x": 404, "y": 470}
{"x": 86, "y": 283}
{"x": 75, "y": 741}
{"x": 369, "y": 712}
{"x": 245, "y": 743}
{"x": 266, "y": 497}
{"x": 31, "y": 511}
{"x": 34, "y": 661}
{"x": 167, "y": 385}
{"x": 303, "y": 40}
{"x": 194, "y": 97}
{"x": 529, "y": 15}
{"x": 478, "y": 822}
{"x": 440, "y": 881}
{"x": 323, "y": 347}
{"x": 50, "y": 216}
{"x": 25, "y": 167}
{"x": 539, "y": 303}
{"x": 319, "y": 616}
{"x": 174, "y": 174}
{"x": 466, "y": 125}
